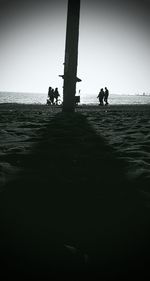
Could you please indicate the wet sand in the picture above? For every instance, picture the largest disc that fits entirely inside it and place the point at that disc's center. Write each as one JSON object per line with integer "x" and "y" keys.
{"x": 74, "y": 192}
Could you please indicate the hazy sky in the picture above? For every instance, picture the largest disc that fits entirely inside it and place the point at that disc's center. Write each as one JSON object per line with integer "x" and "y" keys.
{"x": 114, "y": 45}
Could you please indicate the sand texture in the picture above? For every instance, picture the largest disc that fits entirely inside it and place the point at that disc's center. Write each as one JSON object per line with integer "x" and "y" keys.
{"x": 75, "y": 200}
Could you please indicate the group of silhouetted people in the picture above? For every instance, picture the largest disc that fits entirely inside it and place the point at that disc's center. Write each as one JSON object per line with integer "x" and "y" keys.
{"x": 53, "y": 96}
{"x": 103, "y": 96}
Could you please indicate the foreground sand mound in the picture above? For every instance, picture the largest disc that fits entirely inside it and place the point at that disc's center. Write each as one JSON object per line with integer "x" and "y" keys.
{"x": 71, "y": 211}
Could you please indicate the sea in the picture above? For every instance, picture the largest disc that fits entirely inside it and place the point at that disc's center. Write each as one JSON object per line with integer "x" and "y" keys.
{"x": 41, "y": 98}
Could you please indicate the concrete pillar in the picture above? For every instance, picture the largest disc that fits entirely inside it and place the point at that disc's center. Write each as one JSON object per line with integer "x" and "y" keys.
{"x": 71, "y": 55}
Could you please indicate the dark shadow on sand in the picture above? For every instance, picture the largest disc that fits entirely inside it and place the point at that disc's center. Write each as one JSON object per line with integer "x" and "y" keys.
{"x": 72, "y": 214}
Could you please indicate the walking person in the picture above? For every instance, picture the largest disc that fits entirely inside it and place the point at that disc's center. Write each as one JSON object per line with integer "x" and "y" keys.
{"x": 101, "y": 97}
{"x": 56, "y": 95}
{"x": 52, "y": 96}
{"x": 50, "y": 99}
{"x": 49, "y": 96}
{"x": 106, "y": 94}
{"x": 49, "y": 92}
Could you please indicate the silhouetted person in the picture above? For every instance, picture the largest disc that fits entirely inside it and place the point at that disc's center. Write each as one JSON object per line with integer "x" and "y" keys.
{"x": 101, "y": 97}
{"x": 49, "y": 91}
{"x": 56, "y": 95}
{"x": 106, "y": 94}
{"x": 50, "y": 96}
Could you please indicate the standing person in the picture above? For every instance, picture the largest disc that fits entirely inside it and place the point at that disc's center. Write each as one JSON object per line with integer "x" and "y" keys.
{"x": 106, "y": 94}
{"x": 50, "y": 96}
{"x": 101, "y": 96}
{"x": 49, "y": 92}
{"x": 56, "y": 95}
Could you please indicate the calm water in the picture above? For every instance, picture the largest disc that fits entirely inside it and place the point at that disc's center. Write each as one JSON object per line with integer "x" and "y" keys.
{"x": 33, "y": 98}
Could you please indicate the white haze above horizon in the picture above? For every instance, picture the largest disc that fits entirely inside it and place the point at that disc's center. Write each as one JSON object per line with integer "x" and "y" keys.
{"x": 114, "y": 46}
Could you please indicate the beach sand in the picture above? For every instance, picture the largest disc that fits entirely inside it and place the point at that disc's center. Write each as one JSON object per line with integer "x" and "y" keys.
{"x": 75, "y": 200}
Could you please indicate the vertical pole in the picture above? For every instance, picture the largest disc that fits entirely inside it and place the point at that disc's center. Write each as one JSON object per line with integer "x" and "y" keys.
{"x": 71, "y": 55}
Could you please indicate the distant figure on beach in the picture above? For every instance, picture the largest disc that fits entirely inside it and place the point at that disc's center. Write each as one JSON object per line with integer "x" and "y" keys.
{"x": 49, "y": 91}
{"x": 52, "y": 96}
{"x": 56, "y": 95}
{"x": 50, "y": 99}
{"x": 106, "y": 94}
{"x": 101, "y": 97}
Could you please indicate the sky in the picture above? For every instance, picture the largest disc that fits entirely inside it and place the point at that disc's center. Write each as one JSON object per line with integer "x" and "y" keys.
{"x": 114, "y": 45}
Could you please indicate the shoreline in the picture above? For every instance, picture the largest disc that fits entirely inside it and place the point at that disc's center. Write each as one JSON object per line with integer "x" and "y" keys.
{"x": 90, "y": 105}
